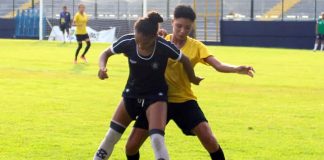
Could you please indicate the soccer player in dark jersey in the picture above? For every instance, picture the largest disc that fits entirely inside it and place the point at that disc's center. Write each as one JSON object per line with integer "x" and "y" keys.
{"x": 319, "y": 33}
{"x": 183, "y": 107}
{"x": 146, "y": 89}
{"x": 65, "y": 22}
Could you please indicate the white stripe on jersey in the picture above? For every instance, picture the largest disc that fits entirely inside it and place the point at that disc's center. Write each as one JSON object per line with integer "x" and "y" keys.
{"x": 120, "y": 43}
{"x": 179, "y": 55}
{"x": 148, "y": 57}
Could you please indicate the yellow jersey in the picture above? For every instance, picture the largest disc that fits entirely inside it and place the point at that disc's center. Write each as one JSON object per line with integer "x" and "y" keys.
{"x": 81, "y": 21}
{"x": 176, "y": 77}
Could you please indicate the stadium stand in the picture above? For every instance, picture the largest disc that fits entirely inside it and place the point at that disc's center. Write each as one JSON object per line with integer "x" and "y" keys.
{"x": 301, "y": 11}
{"x": 6, "y": 9}
{"x": 277, "y": 10}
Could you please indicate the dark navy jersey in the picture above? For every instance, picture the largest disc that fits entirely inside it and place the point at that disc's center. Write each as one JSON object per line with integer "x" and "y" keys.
{"x": 65, "y": 18}
{"x": 146, "y": 74}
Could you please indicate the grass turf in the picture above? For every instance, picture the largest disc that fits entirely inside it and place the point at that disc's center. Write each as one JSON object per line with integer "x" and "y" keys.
{"x": 52, "y": 109}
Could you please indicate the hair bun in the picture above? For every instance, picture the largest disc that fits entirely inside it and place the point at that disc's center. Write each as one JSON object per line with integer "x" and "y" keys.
{"x": 154, "y": 17}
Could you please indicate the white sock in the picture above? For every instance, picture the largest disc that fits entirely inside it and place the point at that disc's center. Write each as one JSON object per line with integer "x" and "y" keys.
{"x": 322, "y": 46}
{"x": 160, "y": 151}
{"x": 107, "y": 145}
{"x": 315, "y": 46}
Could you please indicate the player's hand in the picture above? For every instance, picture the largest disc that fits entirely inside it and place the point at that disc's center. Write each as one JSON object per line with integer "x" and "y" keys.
{"x": 102, "y": 74}
{"x": 196, "y": 80}
{"x": 247, "y": 70}
{"x": 162, "y": 32}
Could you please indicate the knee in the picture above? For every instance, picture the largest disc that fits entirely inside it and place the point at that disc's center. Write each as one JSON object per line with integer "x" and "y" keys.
{"x": 131, "y": 148}
{"x": 88, "y": 44}
{"x": 79, "y": 45}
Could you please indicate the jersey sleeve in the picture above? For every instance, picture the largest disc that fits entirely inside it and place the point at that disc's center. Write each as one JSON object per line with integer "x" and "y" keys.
{"x": 171, "y": 50}
{"x": 122, "y": 44}
{"x": 203, "y": 53}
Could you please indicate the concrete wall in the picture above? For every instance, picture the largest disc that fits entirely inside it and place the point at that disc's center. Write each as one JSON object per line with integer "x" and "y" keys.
{"x": 280, "y": 34}
{"x": 7, "y": 28}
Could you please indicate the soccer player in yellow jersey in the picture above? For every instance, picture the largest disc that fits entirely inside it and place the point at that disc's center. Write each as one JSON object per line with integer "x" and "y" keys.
{"x": 182, "y": 103}
{"x": 80, "y": 21}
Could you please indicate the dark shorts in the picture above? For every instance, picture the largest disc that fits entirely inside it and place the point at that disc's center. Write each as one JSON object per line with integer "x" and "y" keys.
{"x": 320, "y": 36}
{"x": 82, "y": 37}
{"x": 64, "y": 28}
{"x": 186, "y": 115}
{"x": 137, "y": 107}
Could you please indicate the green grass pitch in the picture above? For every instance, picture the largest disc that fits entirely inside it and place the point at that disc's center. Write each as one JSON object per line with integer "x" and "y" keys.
{"x": 52, "y": 109}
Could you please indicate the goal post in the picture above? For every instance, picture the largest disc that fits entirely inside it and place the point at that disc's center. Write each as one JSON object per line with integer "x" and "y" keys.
{"x": 144, "y": 7}
{"x": 41, "y": 21}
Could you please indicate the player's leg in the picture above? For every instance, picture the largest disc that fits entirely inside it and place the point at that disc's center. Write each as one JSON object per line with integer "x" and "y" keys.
{"x": 87, "y": 40}
{"x": 322, "y": 42}
{"x": 317, "y": 41}
{"x": 156, "y": 116}
{"x": 120, "y": 121}
{"x": 77, "y": 50}
{"x": 134, "y": 143}
{"x": 63, "y": 32}
{"x": 192, "y": 121}
{"x": 208, "y": 140}
{"x": 67, "y": 30}
{"x": 139, "y": 134}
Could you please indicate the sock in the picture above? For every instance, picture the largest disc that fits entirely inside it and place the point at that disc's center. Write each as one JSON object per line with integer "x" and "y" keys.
{"x": 157, "y": 141}
{"x": 134, "y": 157}
{"x": 86, "y": 49}
{"x": 78, "y": 50}
{"x": 322, "y": 46}
{"x": 315, "y": 47}
{"x": 218, "y": 155}
{"x": 107, "y": 145}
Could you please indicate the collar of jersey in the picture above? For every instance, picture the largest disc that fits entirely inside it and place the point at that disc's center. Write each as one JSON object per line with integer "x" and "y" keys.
{"x": 148, "y": 57}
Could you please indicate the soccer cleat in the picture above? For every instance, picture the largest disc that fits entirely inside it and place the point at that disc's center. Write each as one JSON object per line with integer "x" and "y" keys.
{"x": 84, "y": 59}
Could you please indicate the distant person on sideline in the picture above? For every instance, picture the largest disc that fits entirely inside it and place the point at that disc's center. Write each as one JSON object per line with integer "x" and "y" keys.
{"x": 319, "y": 33}
{"x": 65, "y": 22}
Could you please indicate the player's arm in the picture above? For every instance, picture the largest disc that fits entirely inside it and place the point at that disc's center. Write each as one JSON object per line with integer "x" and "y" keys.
{"x": 118, "y": 47}
{"x": 228, "y": 68}
{"x": 102, "y": 74}
{"x": 75, "y": 21}
{"x": 176, "y": 54}
{"x": 189, "y": 70}
{"x": 60, "y": 20}
{"x": 316, "y": 28}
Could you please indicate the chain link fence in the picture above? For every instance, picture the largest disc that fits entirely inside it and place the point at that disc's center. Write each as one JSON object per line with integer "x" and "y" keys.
{"x": 123, "y": 13}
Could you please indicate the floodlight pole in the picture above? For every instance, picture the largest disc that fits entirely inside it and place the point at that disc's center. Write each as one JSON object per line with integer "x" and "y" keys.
{"x": 168, "y": 9}
{"x": 144, "y": 7}
{"x": 96, "y": 9}
{"x": 252, "y": 10}
{"x": 282, "y": 9}
{"x": 41, "y": 5}
{"x": 13, "y": 9}
{"x": 315, "y": 10}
